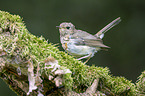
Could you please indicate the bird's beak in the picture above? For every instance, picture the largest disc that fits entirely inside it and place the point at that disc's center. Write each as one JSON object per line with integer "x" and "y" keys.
{"x": 58, "y": 26}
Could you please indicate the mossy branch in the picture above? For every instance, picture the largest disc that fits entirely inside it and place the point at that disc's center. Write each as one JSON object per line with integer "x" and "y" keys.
{"x": 33, "y": 66}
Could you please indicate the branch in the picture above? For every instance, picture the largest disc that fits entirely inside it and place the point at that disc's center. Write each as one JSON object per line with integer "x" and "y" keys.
{"x": 32, "y": 66}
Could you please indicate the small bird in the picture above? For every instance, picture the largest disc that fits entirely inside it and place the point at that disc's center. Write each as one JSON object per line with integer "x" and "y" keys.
{"x": 80, "y": 43}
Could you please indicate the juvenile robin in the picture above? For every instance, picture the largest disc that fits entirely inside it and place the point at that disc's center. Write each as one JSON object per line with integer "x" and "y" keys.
{"x": 80, "y": 43}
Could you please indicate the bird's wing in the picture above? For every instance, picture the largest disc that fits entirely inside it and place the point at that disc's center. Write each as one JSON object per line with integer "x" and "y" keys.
{"x": 83, "y": 38}
{"x": 90, "y": 42}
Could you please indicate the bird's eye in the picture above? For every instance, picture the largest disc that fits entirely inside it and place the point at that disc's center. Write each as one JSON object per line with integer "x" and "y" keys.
{"x": 67, "y": 27}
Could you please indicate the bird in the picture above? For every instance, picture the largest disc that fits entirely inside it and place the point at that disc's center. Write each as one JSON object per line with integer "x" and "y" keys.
{"x": 82, "y": 44}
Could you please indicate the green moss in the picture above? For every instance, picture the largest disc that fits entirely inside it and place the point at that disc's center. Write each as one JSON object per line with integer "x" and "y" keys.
{"x": 21, "y": 46}
{"x": 141, "y": 83}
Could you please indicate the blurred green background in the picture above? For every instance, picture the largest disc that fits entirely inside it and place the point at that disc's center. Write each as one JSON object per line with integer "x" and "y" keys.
{"x": 127, "y": 40}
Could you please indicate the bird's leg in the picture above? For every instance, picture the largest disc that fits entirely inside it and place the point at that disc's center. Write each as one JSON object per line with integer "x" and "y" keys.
{"x": 83, "y": 57}
{"x": 88, "y": 58}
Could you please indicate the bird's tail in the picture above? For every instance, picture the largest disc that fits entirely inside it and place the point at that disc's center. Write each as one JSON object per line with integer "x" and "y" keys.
{"x": 100, "y": 34}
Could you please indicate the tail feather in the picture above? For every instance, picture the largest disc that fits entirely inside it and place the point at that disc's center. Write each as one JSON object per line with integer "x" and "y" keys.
{"x": 108, "y": 27}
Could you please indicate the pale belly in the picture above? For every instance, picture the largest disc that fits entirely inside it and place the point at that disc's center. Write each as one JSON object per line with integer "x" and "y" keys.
{"x": 80, "y": 50}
